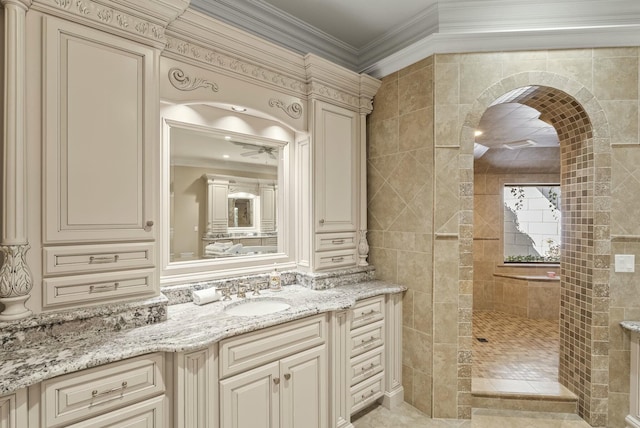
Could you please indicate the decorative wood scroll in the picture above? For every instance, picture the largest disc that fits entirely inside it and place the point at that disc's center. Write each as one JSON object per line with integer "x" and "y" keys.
{"x": 181, "y": 81}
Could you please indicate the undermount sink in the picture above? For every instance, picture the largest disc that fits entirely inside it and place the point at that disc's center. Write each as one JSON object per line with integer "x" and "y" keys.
{"x": 254, "y": 307}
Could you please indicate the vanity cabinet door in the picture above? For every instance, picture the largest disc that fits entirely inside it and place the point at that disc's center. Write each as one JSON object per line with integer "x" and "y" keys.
{"x": 13, "y": 410}
{"x": 335, "y": 167}
{"x": 100, "y": 118}
{"x": 251, "y": 399}
{"x": 304, "y": 389}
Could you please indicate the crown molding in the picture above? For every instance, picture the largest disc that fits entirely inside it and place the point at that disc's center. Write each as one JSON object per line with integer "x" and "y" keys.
{"x": 460, "y": 16}
{"x": 414, "y": 30}
{"x": 443, "y": 27}
{"x": 498, "y": 41}
{"x": 269, "y": 23}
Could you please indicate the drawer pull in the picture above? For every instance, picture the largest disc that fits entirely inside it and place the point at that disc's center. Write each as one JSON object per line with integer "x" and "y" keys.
{"x": 371, "y": 366}
{"x": 103, "y": 259}
{"x": 276, "y": 380}
{"x": 103, "y": 288}
{"x": 367, "y": 315}
{"x": 95, "y": 392}
{"x": 369, "y": 395}
{"x": 287, "y": 376}
{"x": 367, "y": 343}
{"x": 338, "y": 241}
{"x": 337, "y": 259}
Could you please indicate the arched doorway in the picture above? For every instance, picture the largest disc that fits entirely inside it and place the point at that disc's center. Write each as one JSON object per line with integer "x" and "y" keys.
{"x": 577, "y": 117}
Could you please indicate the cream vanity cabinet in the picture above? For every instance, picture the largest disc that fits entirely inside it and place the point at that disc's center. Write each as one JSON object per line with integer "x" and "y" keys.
{"x": 100, "y": 119}
{"x": 633, "y": 419}
{"x": 122, "y": 394}
{"x": 336, "y": 194}
{"x": 13, "y": 410}
{"x": 276, "y": 377}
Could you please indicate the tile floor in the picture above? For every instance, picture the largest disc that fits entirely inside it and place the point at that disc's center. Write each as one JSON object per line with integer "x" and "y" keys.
{"x": 520, "y": 356}
{"x": 517, "y": 348}
{"x": 405, "y": 416}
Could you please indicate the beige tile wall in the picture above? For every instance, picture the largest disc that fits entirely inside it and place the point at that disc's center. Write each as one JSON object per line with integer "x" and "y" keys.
{"x": 488, "y": 230}
{"x": 605, "y": 83}
{"x": 400, "y": 196}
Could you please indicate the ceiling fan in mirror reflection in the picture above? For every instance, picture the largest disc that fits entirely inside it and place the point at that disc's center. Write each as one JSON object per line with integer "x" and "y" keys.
{"x": 256, "y": 150}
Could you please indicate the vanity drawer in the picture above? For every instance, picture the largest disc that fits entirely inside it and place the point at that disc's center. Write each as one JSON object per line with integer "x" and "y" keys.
{"x": 91, "y": 392}
{"x": 366, "y": 365}
{"x": 238, "y": 354}
{"x": 335, "y": 259}
{"x": 148, "y": 414}
{"x": 97, "y": 258}
{"x": 95, "y": 288}
{"x": 365, "y": 393}
{"x": 366, "y": 338}
{"x": 335, "y": 241}
{"x": 367, "y": 311}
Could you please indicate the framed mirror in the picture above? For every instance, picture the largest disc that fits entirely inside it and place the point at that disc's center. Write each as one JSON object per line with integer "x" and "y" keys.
{"x": 222, "y": 201}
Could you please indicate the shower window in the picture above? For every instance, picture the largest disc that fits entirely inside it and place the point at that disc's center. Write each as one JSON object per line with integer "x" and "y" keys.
{"x": 532, "y": 223}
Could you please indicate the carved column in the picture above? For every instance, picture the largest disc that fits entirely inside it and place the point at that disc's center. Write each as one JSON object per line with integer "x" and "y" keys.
{"x": 368, "y": 88}
{"x": 15, "y": 276}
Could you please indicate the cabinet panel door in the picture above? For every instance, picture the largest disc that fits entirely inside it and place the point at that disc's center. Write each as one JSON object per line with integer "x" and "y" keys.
{"x": 251, "y": 399}
{"x": 99, "y": 117}
{"x": 304, "y": 389}
{"x": 336, "y": 151}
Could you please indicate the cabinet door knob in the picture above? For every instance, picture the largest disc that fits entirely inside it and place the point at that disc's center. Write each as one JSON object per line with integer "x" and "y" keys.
{"x": 321, "y": 221}
{"x": 276, "y": 380}
{"x": 287, "y": 376}
{"x": 148, "y": 225}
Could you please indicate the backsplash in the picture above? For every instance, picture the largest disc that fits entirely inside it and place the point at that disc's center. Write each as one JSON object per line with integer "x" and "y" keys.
{"x": 315, "y": 281}
{"x": 109, "y": 317}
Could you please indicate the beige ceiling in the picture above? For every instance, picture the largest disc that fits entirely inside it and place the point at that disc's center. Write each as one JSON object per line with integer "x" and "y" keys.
{"x": 514, "y": 138}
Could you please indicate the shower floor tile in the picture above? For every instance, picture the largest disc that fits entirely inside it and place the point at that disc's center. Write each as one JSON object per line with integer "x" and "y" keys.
{"x": 516, "y": 348}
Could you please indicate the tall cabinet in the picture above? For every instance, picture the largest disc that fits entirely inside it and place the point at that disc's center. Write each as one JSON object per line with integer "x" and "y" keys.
{"x": 336, "y": 193}
{"x": 100, "y": 116}
{"x": 337, "y": 161}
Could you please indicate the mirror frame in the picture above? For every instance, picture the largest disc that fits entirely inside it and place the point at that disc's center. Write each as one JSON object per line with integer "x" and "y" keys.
{"x": 174, "y": 273}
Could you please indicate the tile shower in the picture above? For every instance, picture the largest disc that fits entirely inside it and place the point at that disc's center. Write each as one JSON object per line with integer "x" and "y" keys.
{"x": 426, "y": 113}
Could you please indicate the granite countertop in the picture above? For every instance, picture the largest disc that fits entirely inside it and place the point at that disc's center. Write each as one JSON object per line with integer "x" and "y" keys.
{"x": 632, "y": 326}
{"x": 188, "y": 327}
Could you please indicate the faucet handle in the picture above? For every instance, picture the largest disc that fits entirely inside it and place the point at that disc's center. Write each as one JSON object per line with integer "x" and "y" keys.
{"x": 256, "y": 289}
{"x": 226, "y": 293}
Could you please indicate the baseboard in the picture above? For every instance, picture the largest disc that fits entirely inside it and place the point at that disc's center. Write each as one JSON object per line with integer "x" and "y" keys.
{"x": 393, "y": 399}
{"x": 632, "y": 421}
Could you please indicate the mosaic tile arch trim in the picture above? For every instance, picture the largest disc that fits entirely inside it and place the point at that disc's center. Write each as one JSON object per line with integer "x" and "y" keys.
{"x": 583, "y": 131}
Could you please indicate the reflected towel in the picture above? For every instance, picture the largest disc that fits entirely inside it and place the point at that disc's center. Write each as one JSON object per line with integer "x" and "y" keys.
{"x": 202, "y": 297}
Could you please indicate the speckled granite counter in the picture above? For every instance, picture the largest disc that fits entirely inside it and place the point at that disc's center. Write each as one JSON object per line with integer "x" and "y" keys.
{"x": 187, "y": 327}
{"x": 632, "y": 326}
